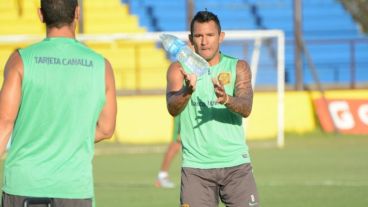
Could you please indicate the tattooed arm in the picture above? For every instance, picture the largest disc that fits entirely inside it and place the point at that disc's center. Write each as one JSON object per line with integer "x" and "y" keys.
{"x": 242, "y": 101}
{"x": 177, "y": 95}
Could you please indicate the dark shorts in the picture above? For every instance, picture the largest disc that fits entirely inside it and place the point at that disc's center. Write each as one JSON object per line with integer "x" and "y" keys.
{"x": 235, "y": 186}
{"x": 19, "y": 201}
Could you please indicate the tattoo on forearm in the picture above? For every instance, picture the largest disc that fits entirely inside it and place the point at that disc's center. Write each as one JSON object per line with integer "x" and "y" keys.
{"x": 177, "y": 100}
{"x": 242, "y": 100}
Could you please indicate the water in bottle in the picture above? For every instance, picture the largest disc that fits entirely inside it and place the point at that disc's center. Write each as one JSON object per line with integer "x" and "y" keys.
{"x": 182, "y": 52}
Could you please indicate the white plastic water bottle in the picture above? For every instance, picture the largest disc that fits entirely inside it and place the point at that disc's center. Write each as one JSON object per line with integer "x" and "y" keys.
{"x": 181, "y": 51}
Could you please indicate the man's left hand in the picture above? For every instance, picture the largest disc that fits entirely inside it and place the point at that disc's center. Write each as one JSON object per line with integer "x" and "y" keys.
{"x": 221, "y": 95}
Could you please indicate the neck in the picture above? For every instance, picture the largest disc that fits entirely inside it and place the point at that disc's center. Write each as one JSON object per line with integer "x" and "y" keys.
{"x": 65, "y": 31}
{"x": 215, "y": 60}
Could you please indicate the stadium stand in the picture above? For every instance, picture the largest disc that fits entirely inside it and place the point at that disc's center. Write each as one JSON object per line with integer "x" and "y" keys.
{"x": 333, "y": 38}
{"x": 160, "y": 15}
{"x": 322, "y": 20}
{"x": 16, "y": 20}
{"x": 110, "y": 16}
{"x": 137, "y": 65}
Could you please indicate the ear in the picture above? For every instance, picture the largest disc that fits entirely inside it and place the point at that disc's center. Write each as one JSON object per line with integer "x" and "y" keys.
{"x": 40, "y": 15}
{"x": 190, "y": 37}
{"x": 222, "y": 36}
{"x": 77, "y": 13}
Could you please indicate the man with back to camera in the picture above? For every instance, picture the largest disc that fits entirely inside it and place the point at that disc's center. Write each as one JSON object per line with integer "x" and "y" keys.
{"x": 216, "y": 161}
{"x": 57, "y": 100}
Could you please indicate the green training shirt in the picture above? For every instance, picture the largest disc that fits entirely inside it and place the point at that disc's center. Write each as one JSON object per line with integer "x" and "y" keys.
{"x": 212, "y": 135}
{"x": 52, "y": 145}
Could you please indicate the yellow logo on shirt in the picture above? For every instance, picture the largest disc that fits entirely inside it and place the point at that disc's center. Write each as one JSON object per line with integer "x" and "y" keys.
{"x": 224, "y": 78}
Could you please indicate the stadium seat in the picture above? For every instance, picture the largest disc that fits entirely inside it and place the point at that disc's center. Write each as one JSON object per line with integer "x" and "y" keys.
{"x": 136, "y": 64}
{"x": 132, "y": 62}
{"x": 322, "y": 20}
{"x": 11, "y": 22}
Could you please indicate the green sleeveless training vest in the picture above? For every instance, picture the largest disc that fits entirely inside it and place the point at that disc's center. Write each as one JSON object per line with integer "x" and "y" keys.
{"x": 52, "y": 145}
{"x": 212, "y": 136}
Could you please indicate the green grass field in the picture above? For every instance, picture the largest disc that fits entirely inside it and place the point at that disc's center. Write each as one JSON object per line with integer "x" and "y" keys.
{"x": 311, "y": 171}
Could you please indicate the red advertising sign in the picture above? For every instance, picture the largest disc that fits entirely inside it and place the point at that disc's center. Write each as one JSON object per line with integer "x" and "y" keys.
{"x": 347, "y": 116}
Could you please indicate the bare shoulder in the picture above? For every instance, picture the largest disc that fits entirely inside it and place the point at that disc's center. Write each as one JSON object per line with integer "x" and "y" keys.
{"x": 175, "y": 67}
{"x": 242, "y": 65}
{"x": 175, "y": 71}
{"x": 174, "y": 77}
{"x": 108, "y": 69}
{"x": 109, "y": 75}
{"x": 107, "y": 64}
{"x": 243, "y": 69}
{"x": 14, "y": 64}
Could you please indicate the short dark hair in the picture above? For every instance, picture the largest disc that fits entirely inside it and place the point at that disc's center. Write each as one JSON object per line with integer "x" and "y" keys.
{"x": 58, "y": 13}
{"x": 202, "y": 17}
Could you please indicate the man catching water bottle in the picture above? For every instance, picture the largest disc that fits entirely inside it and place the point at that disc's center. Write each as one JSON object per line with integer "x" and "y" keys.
{"x": 216, "y": 161}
